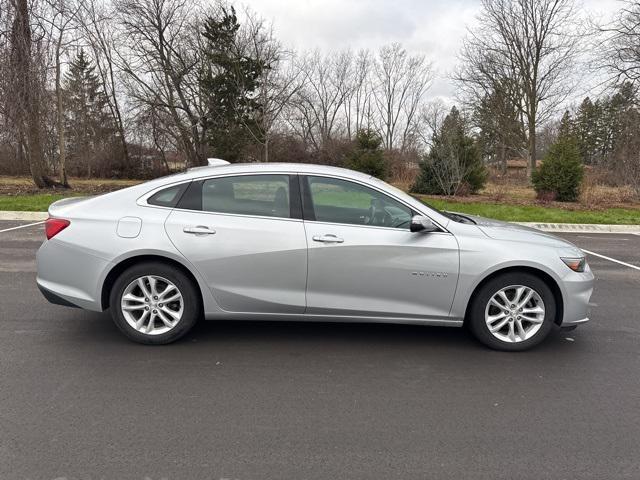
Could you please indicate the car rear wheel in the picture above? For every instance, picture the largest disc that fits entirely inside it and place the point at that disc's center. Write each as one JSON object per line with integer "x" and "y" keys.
{"x": 154, "y": 303}
{"x": 512, "y": 312}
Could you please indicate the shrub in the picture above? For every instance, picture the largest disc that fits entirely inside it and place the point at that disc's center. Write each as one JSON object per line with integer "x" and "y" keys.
{"x": 367, "y": 156}
{"x": 561, "y": 172}
{"x": 454, "y": 164}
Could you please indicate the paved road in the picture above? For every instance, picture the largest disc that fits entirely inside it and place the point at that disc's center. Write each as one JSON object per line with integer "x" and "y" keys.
{"x": 316, "y": 401}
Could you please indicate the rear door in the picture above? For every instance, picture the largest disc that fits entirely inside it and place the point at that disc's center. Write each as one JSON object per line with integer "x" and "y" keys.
{"x": 245, "y": 236}
{"x": 364, "y": 260}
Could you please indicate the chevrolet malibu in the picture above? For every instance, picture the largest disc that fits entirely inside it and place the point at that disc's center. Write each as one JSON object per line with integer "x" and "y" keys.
{"x": 308, "y": 243}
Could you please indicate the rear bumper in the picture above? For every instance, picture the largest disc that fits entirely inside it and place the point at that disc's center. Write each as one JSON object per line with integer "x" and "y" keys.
{"x": 55, "y": 299}
{"x": 70, "y": 276}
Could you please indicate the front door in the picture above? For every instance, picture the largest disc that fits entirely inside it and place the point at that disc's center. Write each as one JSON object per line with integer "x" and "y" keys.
{"x": 364, "y": 260}
{"x": 242, "y": 234}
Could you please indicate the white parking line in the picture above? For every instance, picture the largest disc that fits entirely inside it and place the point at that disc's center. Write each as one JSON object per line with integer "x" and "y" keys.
{"x": 611, "y": 259}
{"x": 21, "y": 226}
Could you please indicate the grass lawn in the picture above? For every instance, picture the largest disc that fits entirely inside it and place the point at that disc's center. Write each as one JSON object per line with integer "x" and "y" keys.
{"x": 539, "y": 213}
{"x": 32, "y": 202}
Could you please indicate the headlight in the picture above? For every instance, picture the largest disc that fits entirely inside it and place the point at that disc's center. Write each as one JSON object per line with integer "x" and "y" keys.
{"x": 575, "y": 264}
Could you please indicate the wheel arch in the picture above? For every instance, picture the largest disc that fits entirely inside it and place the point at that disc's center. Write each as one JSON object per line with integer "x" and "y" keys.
{"x": 125, "y": 263}
{"x": 541, "y": 274}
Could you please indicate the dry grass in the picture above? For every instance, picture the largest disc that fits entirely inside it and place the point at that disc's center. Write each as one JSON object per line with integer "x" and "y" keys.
{"x": 24, "y": 186}
{"x": 514, "y": 189}
{"x": 596, "y": 194}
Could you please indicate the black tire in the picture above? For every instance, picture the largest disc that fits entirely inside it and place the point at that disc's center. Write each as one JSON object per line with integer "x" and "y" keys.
{"x": 192, "y": 309}
{"x": 476, "y": 313}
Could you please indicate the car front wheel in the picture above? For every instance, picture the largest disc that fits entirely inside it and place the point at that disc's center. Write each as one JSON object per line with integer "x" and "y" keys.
{"x": 512, "y": 312}
{"x": 154, "y": 303}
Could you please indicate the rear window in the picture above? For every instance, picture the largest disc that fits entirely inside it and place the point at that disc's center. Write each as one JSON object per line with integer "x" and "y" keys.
{"x": 168, "y": 197}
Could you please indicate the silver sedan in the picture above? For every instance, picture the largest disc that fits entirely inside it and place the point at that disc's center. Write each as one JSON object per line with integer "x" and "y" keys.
{"x": 309, "y": 243}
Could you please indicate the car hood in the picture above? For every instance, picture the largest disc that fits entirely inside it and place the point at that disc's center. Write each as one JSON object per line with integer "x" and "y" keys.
{"x": 499, "y": 230}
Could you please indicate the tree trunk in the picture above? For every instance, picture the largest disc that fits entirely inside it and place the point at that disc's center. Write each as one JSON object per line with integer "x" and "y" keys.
{"x": 27, "y": 89}
{"x": 532, "y": 149}
{"x": 35, "y": 151}
{"x": 118, "y": 119}
{"x": 60, "y": 119}
{"x": 502, "y": 160}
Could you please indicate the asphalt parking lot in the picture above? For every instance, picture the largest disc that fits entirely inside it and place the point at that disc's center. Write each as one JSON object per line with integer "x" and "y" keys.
{"x": 316, "y": 401}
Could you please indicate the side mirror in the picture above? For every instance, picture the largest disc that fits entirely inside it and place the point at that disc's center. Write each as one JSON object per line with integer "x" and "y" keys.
{"x": 420, "y": 223}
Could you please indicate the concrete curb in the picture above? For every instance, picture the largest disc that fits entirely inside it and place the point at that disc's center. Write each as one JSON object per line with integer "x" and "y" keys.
{"x": 26, "y": 216}
{"x": 545, "y": 227}
{"x": 581, "y": 227}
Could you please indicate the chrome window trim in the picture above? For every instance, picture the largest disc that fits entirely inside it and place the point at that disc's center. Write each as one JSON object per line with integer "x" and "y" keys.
{"x": 142, "y": 200}
{"x": 357, "y": 225}
{"x": 241, "y": 215}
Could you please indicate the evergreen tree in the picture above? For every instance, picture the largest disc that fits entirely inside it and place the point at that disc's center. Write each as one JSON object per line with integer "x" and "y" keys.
{"x": 88, "y": 122}
{"x": 454, "y": 163}
{"x": 561, "y": 172}
{"x": 588, "y": 130}
{"x": 229, "y": 83}
{"x": 501, "y": 133}
{"x": 368, "y": 156}
{"x": 566, "y": 127}
{"x": 619, "y": 107}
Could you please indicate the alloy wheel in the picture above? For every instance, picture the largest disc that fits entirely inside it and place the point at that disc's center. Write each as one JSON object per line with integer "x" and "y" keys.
{"x": 152, "y": 305}
{"x": 515, "y": 313}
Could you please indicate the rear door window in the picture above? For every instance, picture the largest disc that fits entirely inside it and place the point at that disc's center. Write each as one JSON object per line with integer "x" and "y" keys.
{"x": 258, "y": 195}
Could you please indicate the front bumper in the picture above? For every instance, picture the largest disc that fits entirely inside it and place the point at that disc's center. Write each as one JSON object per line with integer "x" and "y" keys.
{"x": 577, "y": 290}
{"x": 575, "y": 323}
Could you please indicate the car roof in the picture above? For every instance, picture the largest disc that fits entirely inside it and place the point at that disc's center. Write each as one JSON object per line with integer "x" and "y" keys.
{"x": 308, "y": 168}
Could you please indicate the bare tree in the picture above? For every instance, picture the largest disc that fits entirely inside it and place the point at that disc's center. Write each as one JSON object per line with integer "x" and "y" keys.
{"x": 400, "y": 81}
{"x": 431, "y": 116}
{"x": 533, "y": 41}
{"x": 96, "y": 24}
{"x": 24, "y": 87}
{"x": 278, "y": 82}
{"x": 59, "y": 19}
{"x": 621, "y": 45}
{"x": 320, "y": 100}
{"x": 161, "y": 65}
{"x": 358, "y": 108}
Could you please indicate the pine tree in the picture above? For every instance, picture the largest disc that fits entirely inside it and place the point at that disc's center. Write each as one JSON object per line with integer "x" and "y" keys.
{"x": 588, "y": 130}
{"x": 229, "y": 82}
{"x": 454, "y": 163}
{"x": 88, "y": 123}
{"x": 368, "y": 156}
{"x": 501, "y": 133}
{"x": 561, "y": 173}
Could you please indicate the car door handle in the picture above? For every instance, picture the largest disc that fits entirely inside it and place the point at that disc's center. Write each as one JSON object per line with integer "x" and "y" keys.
{"x": 199, "y": 230}
{"x": 327, "y": 238}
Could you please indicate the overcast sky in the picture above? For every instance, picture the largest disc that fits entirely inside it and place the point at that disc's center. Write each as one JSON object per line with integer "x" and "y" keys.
{"x": 432, "y": 27}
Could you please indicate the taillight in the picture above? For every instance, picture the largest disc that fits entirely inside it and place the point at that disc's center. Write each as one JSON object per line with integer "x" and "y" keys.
{"x": 53, "y": 226}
